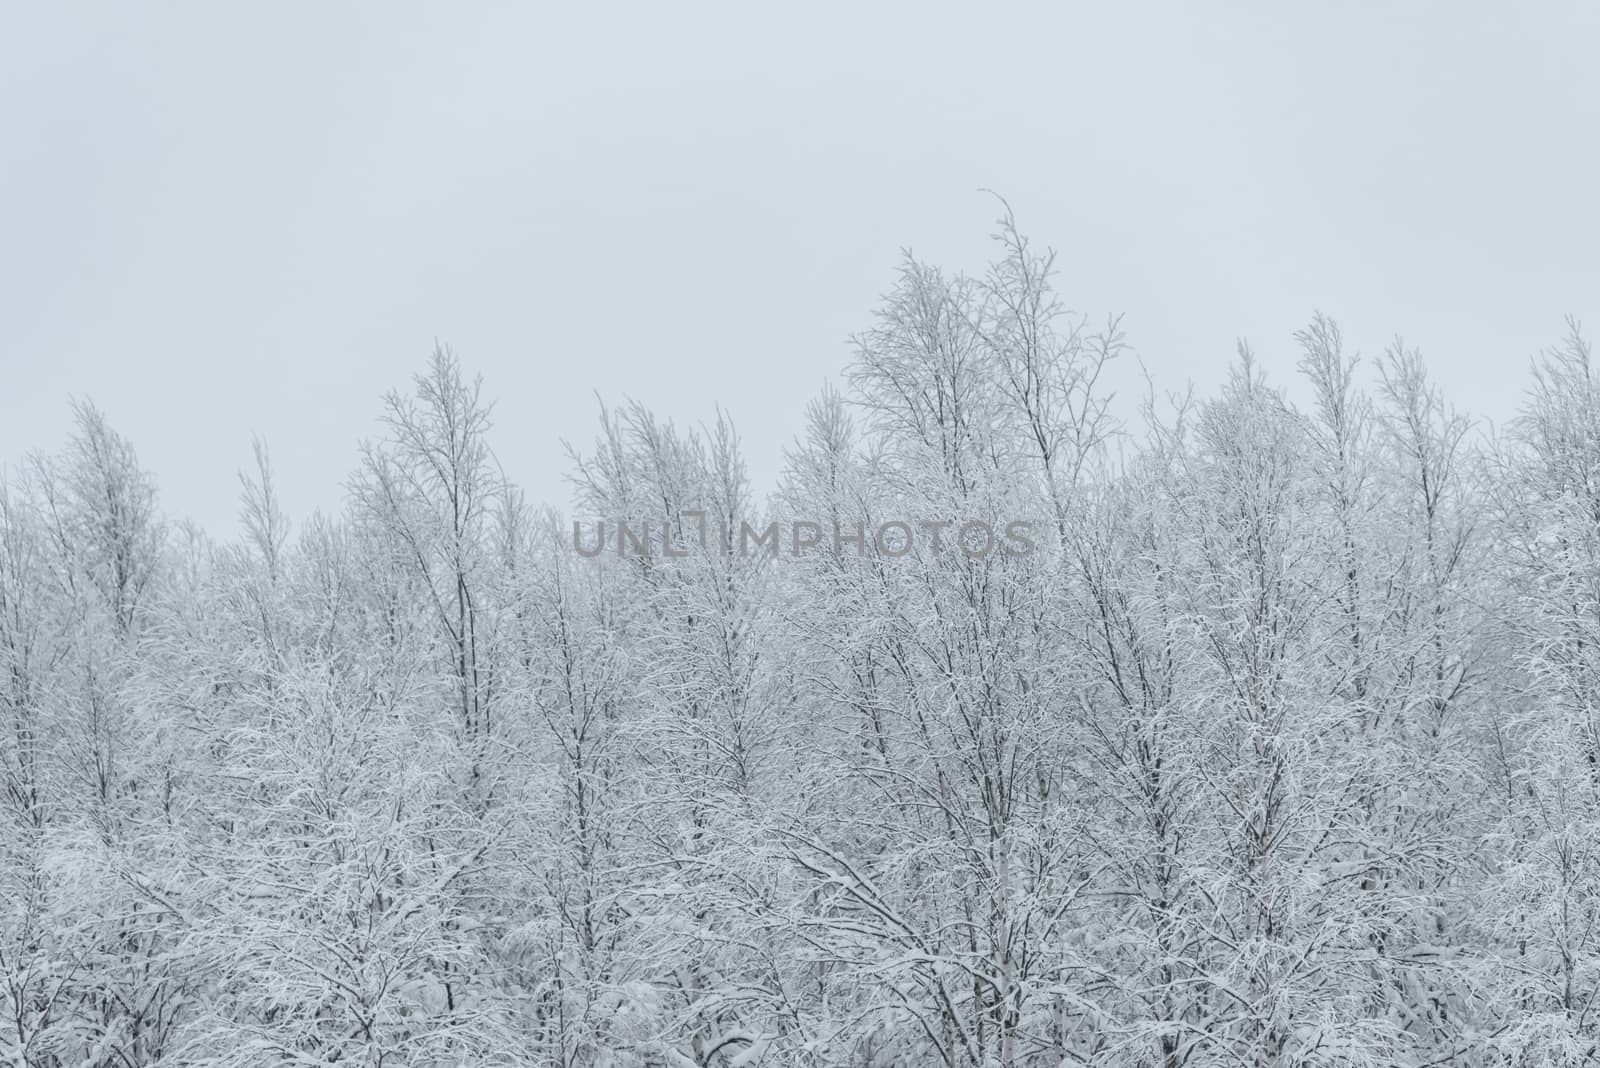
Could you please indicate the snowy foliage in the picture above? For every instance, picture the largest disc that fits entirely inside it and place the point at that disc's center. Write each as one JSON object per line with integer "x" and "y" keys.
{"x": 1282, "y": 748}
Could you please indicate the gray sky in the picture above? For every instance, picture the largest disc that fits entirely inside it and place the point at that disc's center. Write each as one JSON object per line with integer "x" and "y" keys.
{"x": 225, "y": 218}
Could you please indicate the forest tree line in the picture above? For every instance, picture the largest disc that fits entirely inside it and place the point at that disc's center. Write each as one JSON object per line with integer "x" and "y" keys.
{"x": 1281, "y": 748}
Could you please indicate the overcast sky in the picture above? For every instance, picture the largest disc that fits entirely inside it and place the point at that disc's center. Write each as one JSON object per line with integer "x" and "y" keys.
{"x": 224, "y": 218}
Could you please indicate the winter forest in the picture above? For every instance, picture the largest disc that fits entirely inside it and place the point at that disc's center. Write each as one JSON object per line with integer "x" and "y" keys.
{"x": 1282, "y": 747}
